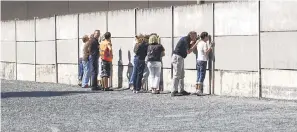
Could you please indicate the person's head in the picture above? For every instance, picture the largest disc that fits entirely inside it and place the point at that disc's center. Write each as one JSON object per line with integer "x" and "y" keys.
{"x": 107, "y": 35}
{"x": 139, "y": 39}
{"x": 204, "y": 36}
{"x": 85, "y": 38}
{"x": 146, "y": 38}
{"x": 192, "y": 35}
{"x": 96, "y": 34}
{"x": 153, "y": 39}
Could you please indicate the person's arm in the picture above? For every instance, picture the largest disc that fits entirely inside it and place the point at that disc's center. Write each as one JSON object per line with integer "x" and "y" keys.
{"x": 194, "y": 46}
{"x": 163, "y": 51}
{"x": 209, "y": 49}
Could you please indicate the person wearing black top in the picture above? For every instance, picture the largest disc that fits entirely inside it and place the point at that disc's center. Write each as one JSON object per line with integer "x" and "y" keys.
{"x": 154, "y": 53}
{"x": 139, "y": 63}
{"x": 180, "y": 52}
{"x": 94, "y": 56}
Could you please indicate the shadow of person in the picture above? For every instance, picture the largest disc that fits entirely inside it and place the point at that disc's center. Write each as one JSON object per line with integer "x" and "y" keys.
{"x": 130, "y": 67}
{"x": 120, "y": 69}
{"x": 40, "y": 93}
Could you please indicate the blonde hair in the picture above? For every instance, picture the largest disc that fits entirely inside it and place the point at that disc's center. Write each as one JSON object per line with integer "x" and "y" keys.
{"x": 153, "y": 39}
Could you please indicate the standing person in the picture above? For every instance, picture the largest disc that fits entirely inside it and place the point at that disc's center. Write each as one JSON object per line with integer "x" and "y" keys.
{"x": 80, "y": 65}
{"x": 139, "y": 63}
{"x": 203, "y": 51}
{"x": 179, "y": 54}
{"x": 136, "y": 42}
{"x": 154, "y": 53}
{"x": 106, "y": 57}
{"x": 85, "y": 61}
{"x": 94, "y": 55}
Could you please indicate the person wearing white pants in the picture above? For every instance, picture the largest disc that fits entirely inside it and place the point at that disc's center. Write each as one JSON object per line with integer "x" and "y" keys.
{"x": 154, "y": 53}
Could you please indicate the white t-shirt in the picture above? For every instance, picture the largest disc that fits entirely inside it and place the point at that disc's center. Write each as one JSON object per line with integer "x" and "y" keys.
{"x": 81, "y": 50}
{"x": 202, "y": 47}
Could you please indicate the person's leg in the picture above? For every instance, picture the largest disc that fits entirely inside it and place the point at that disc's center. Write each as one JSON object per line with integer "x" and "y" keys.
{"x": 80, "y": 71}
{"x": 198, "y": 77}
{"x": 140, "y": 69}
{"x": 157, "y": 76}
{"x": 182, "y": 81}
{"x": 145, "y": 77}
{"x": 151, "y": 74}
{"x": 85, "y": 79}
{"x": 133, "y": 76}
{"x": 94, "y": 71}
{"x": 203, "y": 73}
{"x": 177, "y": 72}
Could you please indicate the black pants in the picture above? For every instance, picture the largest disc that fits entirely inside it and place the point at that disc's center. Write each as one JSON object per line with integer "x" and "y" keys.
{"x": 94, "y": 70}
{"x": 140, "y": 65}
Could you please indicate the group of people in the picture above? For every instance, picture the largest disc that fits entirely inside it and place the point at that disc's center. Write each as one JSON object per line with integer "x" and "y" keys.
{"x": 96, "y": 59}
{"x": 147, "y": 61}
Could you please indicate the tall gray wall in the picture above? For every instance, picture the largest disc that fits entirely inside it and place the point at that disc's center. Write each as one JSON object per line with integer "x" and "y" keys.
{"x": 252, "y": 58}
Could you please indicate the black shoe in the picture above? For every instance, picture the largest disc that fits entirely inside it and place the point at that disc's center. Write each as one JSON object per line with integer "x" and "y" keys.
{"x": 185, "y": 93}
{"x": 96, "y": 88}
{"x": 107, "y": 89}
{"x": 175, "y": 93}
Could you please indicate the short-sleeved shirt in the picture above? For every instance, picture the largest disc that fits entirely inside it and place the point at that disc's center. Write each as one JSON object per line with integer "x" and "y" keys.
{"x": 182, "y": 47}
{"x": 202, "y": 47}
{"x": 154, "y": 52}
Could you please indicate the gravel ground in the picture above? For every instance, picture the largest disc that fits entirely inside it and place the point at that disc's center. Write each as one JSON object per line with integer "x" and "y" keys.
{"x": 46, "y": 107}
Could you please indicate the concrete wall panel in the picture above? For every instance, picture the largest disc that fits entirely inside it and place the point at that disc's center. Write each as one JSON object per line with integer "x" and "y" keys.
{"x": 167, "y": 44}
{"x": 279, "y": 84}
{"x": 25, "y": 30}
{"x": 67, "y": 27}
{"x": 45, "y": 73}
{"x": 153, "y": 21}
{"x": 26, "y": 72}
{"x": 68, "y": 74}
{"x": 127, "y": 17}
{"x": 236, "y": 18}
{"x": 67, "y": 51}
{"x": 123, "y": 71}
{"x": 126, "y": 46}
{"x": 167, "y": 81}
{"x": 25, "y": 52}
{"x": 45, "y": 52}
{"x": 7, "y": 31}
{"x": 279, "y": 50}
{"x": 192, "y": 18}
{"x": 47, "y": 33}
{"x": 190, "y": 81}
{"x": 278, "y": 15}
{"x": 237, "y": 53}
{"x": 7, "y": 71}
{"x": 8, "y": 51}
{"x": 243, "y": 84}
{"x": 89, "y": 22}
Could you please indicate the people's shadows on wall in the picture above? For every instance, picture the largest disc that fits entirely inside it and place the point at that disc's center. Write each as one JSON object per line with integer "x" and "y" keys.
{"x": 120, "y": 69}
{"x": 130, "y": 67}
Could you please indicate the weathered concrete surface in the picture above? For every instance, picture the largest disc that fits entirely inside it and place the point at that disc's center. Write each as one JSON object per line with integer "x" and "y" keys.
{"x": 7, "y": 31}
{"x": 26, "y": 72}
{"x": 236, "y": 18}
{"x": 25, "y": 30}
{"x": 67, "y": 51}
{"x": 49, "y": 32}
{"x": 127, "y": 17}
{"x": 121, "y": 76}
{"x": 68, "y": 74}
{"x": 279, "y": 50}
{"x": 7, "y": 71}
{"x": 279, "y": 84}
{"x": 167, "y": 44}
{"x": 192, "y": 18}
{"x": 45, "y": 73}
{"x": 123, "y": 50}
{"x": 45, "y": 52}
{"x": 25, "y": 52}
{"x": 89, "y": 22}
{"x": 67, "y": 26}
{"x": 154, "y": 21}
{"x": 278, "y": 15}
{"x": 237, "y": 53}
{"x": 48, "y": 107}
{"x": 8, "y": 51}
{"x": 232, "y": 83}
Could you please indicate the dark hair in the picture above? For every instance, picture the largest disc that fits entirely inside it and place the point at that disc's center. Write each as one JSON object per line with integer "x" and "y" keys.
{"x": 97, "y": 31}
{"x": 203, "y": 35}
{"x": 107, "y": 35}
{"x": 192, "y": 33}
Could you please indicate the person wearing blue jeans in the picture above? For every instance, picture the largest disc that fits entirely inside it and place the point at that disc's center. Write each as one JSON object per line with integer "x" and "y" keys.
{"x": 133, "y": 73}
{"x": 85, "y": 62}
{"x": 203, "y": 50}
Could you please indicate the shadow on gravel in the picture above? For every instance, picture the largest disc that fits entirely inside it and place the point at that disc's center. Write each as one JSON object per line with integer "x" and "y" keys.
{"x": 41, "y": 93}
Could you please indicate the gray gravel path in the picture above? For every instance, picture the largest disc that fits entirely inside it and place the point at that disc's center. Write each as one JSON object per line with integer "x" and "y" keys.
{"x": 46, "y": 107}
